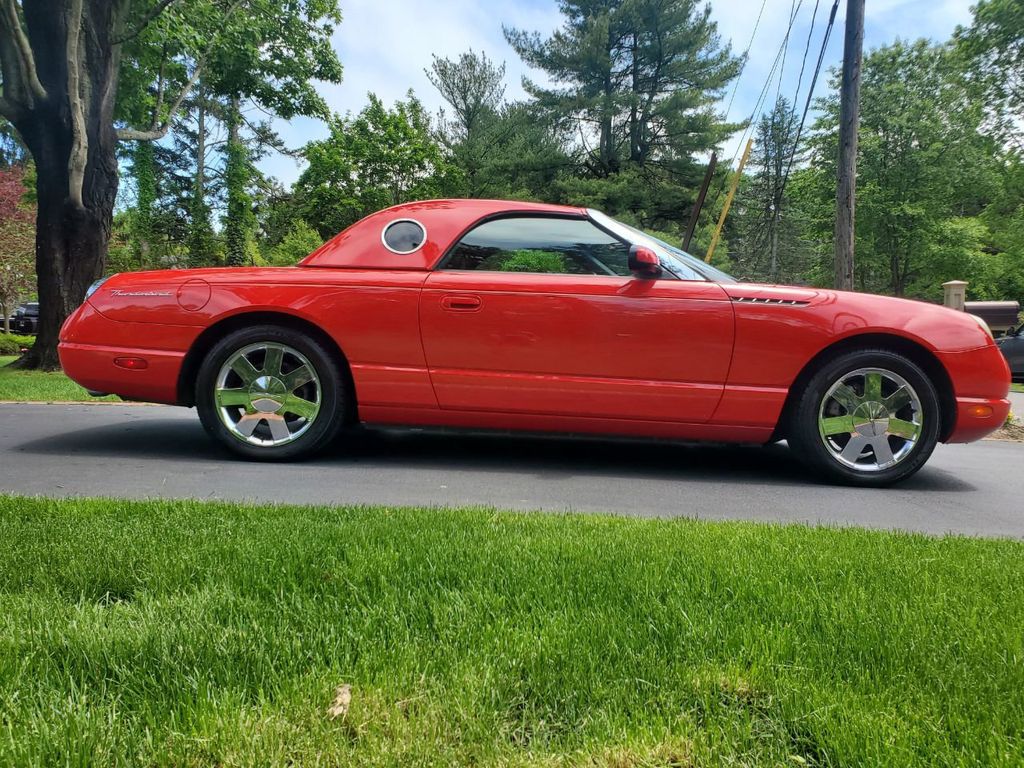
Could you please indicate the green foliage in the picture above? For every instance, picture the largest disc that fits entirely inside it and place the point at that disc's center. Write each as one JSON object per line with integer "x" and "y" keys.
{"x": 531, "y": 261}
{"x": 635, "y": 84}
{"x": 12, "y": 344}
{"x": 925, "y": 170}
{"x": 992, "y": 48}
{"x": 144, "y": 170}
{"x": 381, "y": 157}
{"x": 300, "y": 241}
{"x": 240, "y": 219}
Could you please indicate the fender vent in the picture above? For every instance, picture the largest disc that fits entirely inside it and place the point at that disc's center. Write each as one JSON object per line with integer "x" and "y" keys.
{"x": 779, "y": 302}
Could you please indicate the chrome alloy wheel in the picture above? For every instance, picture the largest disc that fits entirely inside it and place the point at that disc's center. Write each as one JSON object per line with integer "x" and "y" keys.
{"x": 870, "y": 420}
{"x": 267, "y": 394}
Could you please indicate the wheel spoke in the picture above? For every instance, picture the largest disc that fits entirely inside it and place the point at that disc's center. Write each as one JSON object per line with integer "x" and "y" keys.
{"x": 288, "y": 403}
{"x": 248, "y": 423}
{"x": 278, "y": 428}
{"x": 245, "y": 370}
{"x": 846, "y": 397}
{"x": 229, "y": 397}
{"x": 272, "y": 361}
{"x": 854, "y": 448}
{"x": 898, "y": 399}
{"x": 837, "y": 425}
{"x": 298, "y": 377}
{"x": 300, "y": 407}
{"x": 871, "y": 419}
{"x": 873, "y": 386}
{"x": 908, "y": 430}
{"x": 882, "y": 450}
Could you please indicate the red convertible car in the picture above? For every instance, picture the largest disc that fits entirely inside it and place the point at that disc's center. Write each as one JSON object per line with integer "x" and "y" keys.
{"x": 488, "y": 314}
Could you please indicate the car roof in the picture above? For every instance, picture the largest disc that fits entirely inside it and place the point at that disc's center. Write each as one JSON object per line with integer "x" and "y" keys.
{"x": 361, "y": 245}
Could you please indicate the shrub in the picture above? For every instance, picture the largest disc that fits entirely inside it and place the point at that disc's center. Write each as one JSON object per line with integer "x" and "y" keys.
{"x": 12, "y": 343}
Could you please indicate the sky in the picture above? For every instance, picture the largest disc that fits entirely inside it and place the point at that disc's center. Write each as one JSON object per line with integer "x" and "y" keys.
{"x": 385, "y": 46}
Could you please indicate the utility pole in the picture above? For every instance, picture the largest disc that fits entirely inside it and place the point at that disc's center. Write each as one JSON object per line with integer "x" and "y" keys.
{"x": 849, "y": 118}
{"x": 728, "y": 200}
{"x": 700, "y": 201}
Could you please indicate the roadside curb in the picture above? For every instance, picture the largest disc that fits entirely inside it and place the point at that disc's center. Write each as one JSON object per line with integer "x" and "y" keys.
{"x": 74, "y": 402}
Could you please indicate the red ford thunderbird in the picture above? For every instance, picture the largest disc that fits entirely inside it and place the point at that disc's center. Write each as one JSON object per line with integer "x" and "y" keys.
{"x": 489, "y": 314}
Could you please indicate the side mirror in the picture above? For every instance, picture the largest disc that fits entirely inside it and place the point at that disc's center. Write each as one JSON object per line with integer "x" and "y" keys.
{"x": 643, "y": 262}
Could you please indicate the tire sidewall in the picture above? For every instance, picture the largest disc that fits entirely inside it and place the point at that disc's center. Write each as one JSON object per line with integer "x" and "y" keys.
{"x": 807, "y": 439}
{"x": 332, "y": 393}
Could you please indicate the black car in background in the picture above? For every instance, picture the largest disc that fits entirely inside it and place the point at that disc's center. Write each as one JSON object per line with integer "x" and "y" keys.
{"x": 26, "y": 318}
{"x": 1012, "y": 347}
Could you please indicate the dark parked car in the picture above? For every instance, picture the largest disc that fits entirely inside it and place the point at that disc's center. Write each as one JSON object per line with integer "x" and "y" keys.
{"x": 1012, "y": 347}
{"x": 26, "y": 318}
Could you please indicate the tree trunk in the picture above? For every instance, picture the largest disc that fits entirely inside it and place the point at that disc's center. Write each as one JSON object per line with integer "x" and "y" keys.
{"x": 71, "y": 244}
{"x": 76, "y": 181}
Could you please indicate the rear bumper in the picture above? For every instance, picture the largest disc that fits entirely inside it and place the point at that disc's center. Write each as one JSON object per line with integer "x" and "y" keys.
{"x": 93, "y": 367}
{"x": 90, "y": 343}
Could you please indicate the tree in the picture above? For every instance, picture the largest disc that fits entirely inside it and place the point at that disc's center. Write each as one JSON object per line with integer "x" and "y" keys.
{"x": 61, "y": 64}
{"x": 473, "y": 87}
{"x": 300, "y": 241}
{"x": 501, "y": 150}
{"x": 17, "y": 238}
{"x": 765, "y": 234}
{"x": 993, "y": 48}
{"x": 639, "y": 78}
{"x": 924, "y": 168}
{"x": 382, "y": 157}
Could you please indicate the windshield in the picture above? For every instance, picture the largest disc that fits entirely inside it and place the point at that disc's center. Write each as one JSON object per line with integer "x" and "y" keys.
{"x": 683, "y": 265}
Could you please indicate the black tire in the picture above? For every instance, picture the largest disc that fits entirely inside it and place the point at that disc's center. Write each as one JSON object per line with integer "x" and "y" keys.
{"x": 320, "y": 430}
{"x": 818, "y": 453}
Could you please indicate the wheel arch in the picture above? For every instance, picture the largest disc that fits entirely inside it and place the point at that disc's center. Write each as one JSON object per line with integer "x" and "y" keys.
{"x": 214, "y": 333}
{"x": 916, "y": 352}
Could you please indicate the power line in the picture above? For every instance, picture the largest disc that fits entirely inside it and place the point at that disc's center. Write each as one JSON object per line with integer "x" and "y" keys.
{"x": 761, "y": 97}
{"x": 746, "y": 59}
{"x": 810, "y": 93}
{"x": 785, "y": 49}
{"x": 807, "y": 48}
{"x": 768, "y": 80}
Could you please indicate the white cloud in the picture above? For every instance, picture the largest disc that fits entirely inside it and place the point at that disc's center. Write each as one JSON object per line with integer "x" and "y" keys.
{"x": 385, "y": 45}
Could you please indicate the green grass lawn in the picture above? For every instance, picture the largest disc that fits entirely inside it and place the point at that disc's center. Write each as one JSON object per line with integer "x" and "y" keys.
{"x": 40, "y": 386}
{"x": 1017, "y": 387}
{"x": 182, "y": 633}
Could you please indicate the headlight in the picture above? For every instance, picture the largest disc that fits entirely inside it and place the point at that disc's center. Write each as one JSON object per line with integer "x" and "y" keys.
{"x": 984, "y": 326}
{"x": 95, "y": 286}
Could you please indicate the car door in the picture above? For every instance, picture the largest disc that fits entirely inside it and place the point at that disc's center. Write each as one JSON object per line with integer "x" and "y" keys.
{"x": 539, "y": 314}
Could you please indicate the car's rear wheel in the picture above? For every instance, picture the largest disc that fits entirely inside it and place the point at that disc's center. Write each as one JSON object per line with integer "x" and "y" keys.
{"x": 868, "y": 418}
{"x": 270, "y": 393}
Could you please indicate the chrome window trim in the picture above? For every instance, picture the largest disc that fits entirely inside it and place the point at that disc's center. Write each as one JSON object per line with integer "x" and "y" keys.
{"x": 391, "y": 223}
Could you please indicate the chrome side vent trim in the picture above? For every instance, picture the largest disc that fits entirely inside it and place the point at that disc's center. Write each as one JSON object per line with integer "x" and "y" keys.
{"x": 777, "y": 302}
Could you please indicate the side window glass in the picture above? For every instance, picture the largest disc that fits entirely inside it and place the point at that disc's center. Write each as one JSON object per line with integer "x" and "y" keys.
{"x": 541, "y": 245}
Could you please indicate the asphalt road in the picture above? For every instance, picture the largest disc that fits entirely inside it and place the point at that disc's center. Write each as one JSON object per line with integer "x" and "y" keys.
{"x": 155, "y": 451}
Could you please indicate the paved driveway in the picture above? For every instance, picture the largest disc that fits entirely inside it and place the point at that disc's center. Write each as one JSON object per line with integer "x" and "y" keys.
{"x": 155, "y": 451}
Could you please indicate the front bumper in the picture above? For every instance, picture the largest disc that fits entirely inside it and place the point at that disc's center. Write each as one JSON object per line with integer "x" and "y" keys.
{"x": 977, "y": 417}
{"x": 981, "y": 383}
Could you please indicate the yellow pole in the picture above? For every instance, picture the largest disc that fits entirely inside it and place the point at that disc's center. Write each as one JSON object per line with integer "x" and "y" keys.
{"x": 728, "y": 200}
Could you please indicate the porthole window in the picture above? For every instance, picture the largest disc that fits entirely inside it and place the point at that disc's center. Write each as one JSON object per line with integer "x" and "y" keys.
{"x": 404, "y": 236}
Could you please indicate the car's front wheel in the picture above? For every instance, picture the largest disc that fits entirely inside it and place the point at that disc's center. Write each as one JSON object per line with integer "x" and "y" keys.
{"x": 270, "y": 393}
{"x": 868, "y": 418}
